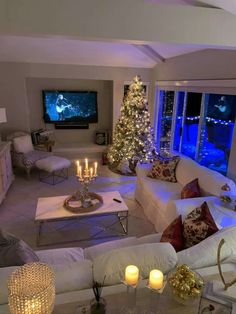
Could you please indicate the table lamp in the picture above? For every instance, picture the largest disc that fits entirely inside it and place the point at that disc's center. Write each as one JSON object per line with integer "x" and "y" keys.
{"x": 3, "y": 118}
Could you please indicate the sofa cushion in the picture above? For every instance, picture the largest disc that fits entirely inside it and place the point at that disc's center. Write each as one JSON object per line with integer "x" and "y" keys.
{"x": 145, "y": 256}
{"x": 191, "y": 190}
{"x": 186, "y": 170}
{"x": 5, "y": 273}
{"x": 211, "y": 182}
{"x": 23, "y": 144}
{"x": 204, "y": 254}
{"x": 161, "y": 192}
{"x": 69, "y": 277}
{"x": 99, "y": 249}
{"x": 61, "y": 255}
{"x": 150, "y": 238}
{"x": 198, "y": 225}
{"x": 164, "y": 169}
{"x": 174, "y": 234}
{"x": 14, "y": 251}
{"x": 73, "y": 276}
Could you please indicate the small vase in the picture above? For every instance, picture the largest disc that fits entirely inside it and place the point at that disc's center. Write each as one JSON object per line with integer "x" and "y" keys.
{"x": 98, "y": 307}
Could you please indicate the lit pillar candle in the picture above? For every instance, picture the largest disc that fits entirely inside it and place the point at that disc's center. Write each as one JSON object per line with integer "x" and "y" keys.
{"x": 95, "y": 168}
{"x": 131, "y": 275}
{"x": 155, "y": 279}
{"x": 91, "y": 172}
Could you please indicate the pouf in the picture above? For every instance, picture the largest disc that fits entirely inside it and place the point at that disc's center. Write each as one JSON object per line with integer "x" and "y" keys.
{"x": 55, "y": 167}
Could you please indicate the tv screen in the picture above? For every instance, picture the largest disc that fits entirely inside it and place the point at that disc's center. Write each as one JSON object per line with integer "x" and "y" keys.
{"x": 71, "y": 106}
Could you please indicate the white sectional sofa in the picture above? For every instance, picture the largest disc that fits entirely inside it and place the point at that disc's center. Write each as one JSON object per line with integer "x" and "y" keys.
{"x": 76, "y": 268}
{"x": 158, "y": 197}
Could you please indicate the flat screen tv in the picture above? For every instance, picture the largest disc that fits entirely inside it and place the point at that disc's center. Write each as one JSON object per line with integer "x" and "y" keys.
{"x": 70, "y": 106}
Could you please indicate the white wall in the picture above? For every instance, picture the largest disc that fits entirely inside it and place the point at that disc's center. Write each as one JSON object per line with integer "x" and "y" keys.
{"x": 20, "y": 84}
{"x": 204, "y": 65}
{"x": 104, "y": 90}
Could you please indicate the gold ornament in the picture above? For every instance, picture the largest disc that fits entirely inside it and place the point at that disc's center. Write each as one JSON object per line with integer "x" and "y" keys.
{"x": 185, "y": 283}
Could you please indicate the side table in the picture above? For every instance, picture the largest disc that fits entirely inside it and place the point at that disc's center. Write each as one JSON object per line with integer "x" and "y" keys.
{"x": 122, "y": 303}
{"x": 47, "y": 146}
{"x": 226, "y": 213}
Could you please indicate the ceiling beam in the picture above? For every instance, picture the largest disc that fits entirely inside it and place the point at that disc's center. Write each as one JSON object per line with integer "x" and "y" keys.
{"x": 229, "y": 5}
{"x": 131, "y": 21}
{"x": 151, "y": 53}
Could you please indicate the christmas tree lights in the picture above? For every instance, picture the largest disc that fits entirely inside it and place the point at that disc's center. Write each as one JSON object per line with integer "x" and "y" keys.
{"x": 133, "y": 139}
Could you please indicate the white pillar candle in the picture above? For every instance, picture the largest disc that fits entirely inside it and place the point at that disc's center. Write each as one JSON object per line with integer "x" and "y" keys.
{"x": 155, "y": 279}
{"x": 131, "y": 275}
{"x": 80, "y": 172}
{"x": 91, "y": 172}
{"x": 95, "y": 168}
{"x": 77, "y": 167}
{"x": 86, "y": 164}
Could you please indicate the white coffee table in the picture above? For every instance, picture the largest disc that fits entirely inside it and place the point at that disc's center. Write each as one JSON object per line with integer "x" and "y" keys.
{"x": 51, "y": 209}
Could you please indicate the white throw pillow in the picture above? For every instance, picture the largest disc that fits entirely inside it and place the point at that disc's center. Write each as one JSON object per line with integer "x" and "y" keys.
{"x": 23, "y": 144}
{"x": 61, "y": 255}
{"x": 204, "y": 254}
{"x": 73, "y": 276}
{"x": 93, "y": 251}
{"x": 145, "y": 256}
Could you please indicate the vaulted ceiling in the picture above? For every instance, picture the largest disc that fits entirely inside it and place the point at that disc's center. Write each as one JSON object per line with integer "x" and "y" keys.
{"x": 23, "y": 40}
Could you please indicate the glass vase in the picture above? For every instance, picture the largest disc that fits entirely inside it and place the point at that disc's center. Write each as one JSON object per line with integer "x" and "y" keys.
{"x": 98, "y": 307}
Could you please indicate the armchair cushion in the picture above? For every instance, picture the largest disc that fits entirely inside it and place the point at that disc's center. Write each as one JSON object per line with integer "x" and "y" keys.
{"x": 31, "y": 157}
{"x": 23, "y": 144}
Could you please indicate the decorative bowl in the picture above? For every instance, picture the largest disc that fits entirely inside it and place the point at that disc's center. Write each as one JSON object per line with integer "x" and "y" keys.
{"x": 185, "y": 284}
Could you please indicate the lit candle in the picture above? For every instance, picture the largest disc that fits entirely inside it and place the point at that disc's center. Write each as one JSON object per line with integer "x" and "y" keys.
{"x": 95, "y": 168}
{"x": 155, "y": 279}
{"x": 80, "y": 172}
{"x": 86, "y": 164}
{"x": 77, "y": 168}
{"x": 91, "y": 172}
{"x": 131, "y": 275}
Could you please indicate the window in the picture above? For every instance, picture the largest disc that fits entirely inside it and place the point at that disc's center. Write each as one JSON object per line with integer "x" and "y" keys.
{"x": 199, "y": 125}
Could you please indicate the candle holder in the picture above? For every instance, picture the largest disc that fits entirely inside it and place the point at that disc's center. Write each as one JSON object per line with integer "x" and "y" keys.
{"x": 130, "y": 304}
{"x": 83, "y": 201}
{"x": 159, "y": 291}
{"x": 85, "y": 180}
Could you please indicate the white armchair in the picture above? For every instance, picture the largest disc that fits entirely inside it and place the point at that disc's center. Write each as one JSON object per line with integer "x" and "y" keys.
{"x": 23, "y": 153}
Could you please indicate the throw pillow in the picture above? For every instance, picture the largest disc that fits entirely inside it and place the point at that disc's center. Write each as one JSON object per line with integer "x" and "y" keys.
{"x": 23, "y": 144}
{"x": 14, "y": 252}
{"x": 174, "y": 234}
{"x": 164, "y": 169}
{"x": 191, "y": 190}
{"x": 198, "y": 225}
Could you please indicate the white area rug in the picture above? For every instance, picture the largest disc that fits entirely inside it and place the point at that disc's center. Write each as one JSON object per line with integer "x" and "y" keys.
{"x": 17, "y": 212}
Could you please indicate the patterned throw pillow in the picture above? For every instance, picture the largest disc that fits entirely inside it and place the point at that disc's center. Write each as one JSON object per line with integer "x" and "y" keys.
{"x": 191, "y": 190}
{"x": 164, "y": 169}
{"x": 174, "y": 234}
{"x": 198, "y": 225}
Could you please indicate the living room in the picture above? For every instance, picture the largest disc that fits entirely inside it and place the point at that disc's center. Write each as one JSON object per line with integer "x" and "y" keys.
{"x": 103, "y": 54}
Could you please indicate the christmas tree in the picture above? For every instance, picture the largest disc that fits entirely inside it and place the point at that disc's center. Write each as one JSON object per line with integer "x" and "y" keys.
{"x": 133, "y": 139}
